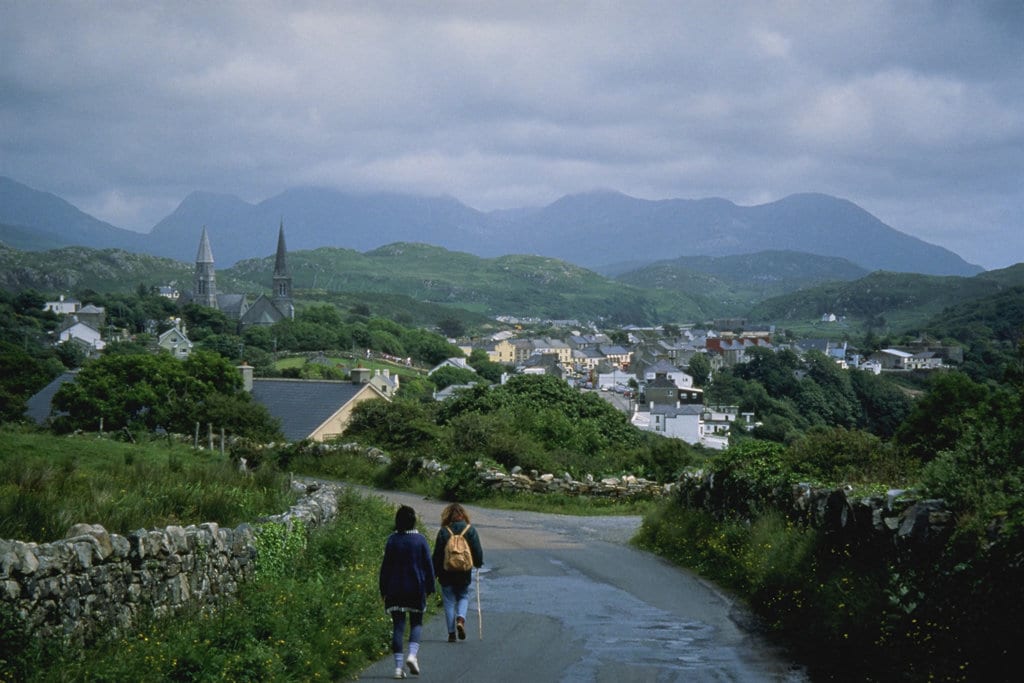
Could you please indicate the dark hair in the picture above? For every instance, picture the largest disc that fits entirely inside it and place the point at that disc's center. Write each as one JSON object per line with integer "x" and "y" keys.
{"x": 405, "y": 518}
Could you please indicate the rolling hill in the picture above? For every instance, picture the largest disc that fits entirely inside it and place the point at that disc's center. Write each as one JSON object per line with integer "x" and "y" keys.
{"x": 907, "y": 301}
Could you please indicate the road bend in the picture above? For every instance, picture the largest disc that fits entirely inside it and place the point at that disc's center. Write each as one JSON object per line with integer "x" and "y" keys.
{"x": 565, "y": 599}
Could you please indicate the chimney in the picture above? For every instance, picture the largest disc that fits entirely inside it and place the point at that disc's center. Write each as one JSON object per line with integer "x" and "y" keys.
{"x": 360, "y": 375}
{"x": 246, "y": 371}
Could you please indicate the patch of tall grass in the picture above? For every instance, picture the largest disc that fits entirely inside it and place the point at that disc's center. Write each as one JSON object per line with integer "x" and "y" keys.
{"x": 50, "y": 483}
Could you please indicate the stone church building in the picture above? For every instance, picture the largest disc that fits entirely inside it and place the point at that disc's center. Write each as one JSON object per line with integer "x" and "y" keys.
{"x": 264, "y": 310}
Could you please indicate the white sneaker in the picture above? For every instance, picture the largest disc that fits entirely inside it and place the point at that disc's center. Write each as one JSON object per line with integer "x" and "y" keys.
{"x": 414, "y": 666}
{"x": 399, "y": 673}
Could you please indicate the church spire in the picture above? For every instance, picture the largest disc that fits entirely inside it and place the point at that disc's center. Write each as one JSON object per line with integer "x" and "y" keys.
{"x": 280, "y": 267}
{"x": 205, "y": 285}
{"x": 282, "y": 280}
{"x": 205, "y": 254}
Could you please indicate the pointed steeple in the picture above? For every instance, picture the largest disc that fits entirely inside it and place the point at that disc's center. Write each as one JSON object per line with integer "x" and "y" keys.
{"x": 280, "y": 267}
{"x": 205, "y": 286}
{"x": 282, "y": 280}
{"x": 205, "y": 254}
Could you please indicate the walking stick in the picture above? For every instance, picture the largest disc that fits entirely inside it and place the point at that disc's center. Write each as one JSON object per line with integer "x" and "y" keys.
{"x": 479, "y": 612}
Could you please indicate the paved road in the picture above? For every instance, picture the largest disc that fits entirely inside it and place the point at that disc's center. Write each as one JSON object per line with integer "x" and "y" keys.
{"x": 565, "y": 599}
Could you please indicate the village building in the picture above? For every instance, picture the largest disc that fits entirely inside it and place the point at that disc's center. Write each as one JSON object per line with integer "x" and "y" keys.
{"x": 265, "y": 310}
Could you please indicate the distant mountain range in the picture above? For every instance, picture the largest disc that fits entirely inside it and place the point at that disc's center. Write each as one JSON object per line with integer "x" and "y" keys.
{"x": 591, "y": 230}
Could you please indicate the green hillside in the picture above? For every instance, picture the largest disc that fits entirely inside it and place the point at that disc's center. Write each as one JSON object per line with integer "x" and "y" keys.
{"x": 512, "y": 285}
{"x": 904, "y": 301}
{"x": 731, "y": 285}
{"x": 418, "y": 283}
{"x": 79, "y": 268}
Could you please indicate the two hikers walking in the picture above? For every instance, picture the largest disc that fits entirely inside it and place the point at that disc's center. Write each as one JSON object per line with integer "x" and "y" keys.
{"x": 408, "y": 571}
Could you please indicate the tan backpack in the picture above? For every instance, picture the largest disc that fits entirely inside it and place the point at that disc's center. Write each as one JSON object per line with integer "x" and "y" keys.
{"x": 457, "y": 555}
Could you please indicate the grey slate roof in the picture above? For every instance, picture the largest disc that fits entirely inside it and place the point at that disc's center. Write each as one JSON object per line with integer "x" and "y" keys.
{"x": 303, "y": 405}
{"x": 300, "y": 405}
{"x": 672, "y": 410}
{"x": 39, "y": 405}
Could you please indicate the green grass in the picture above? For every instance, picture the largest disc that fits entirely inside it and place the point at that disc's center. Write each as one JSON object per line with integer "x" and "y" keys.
{"x": 313, "y": 613}
{"x": 50, "y": 483}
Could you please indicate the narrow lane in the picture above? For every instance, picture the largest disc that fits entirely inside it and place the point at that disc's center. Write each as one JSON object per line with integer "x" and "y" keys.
{"x": 565, "y": 599}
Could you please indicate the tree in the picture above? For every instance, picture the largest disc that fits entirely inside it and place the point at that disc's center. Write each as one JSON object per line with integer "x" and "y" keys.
{"x": 451, "y": 326}
{"x": 485, "y": 367}
{"x": 941, "y": 417}
{"x": 699, "y": 368}
{"x": 448, "y": 375}
{"x": 399, "y": 424}
{"x": 147, "y": 391}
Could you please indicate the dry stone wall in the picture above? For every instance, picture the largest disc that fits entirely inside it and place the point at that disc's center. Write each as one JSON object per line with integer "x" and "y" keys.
{"x": 93, "y": 581}
{"x": 898, "y": 524}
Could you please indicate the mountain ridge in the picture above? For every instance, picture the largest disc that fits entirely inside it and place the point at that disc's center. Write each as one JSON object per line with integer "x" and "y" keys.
{"x": 588, "y": 229}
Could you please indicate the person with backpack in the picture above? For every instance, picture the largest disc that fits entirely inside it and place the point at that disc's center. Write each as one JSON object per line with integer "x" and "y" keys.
{"x": 406, "y": 578}
{"x": 457, "y": 551}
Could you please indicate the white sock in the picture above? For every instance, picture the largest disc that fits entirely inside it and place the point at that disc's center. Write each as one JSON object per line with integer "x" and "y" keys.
{"x": 413, "y": 649}
{"x": 399, "y": 660}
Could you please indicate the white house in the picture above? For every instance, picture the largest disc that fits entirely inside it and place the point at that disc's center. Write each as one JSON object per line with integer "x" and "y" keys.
{"x": 679, "y": 421}
{"x": 665, "y": 369}
{"x": 83, "y": 333}
{"x": 175, "y": 341}
{"x": 459, "y": 363}
{"x": 63, "y": 306}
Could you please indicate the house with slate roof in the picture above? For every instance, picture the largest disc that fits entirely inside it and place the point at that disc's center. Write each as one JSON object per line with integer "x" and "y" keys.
{"x": 84, "y": 333}
{"x": 39, "y": 405}
{"x": 93, "y": 315}
{"x": 457, "y": 363}
{"x": 309, "y": 409}
{"x": 678, "y": 421}
{"x": 175, "y": 341}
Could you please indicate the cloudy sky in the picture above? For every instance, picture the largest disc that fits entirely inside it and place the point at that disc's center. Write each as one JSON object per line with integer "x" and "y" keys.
{"x": 913, "y": 110}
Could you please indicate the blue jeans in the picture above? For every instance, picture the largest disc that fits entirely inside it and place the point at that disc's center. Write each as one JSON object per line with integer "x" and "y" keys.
{"x": 456, "y": 601}
{"x": 398, "y": 628}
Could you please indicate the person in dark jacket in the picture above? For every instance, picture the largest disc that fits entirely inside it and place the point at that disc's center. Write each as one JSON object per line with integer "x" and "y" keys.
{"x": 454, "y": 584}
{"x": 406, "y": 578}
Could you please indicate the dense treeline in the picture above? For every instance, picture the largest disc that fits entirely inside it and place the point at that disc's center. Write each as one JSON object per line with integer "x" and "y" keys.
{"x": 790, "y": 395}
{"x": 532, "y": 421}
{"x": 131, "y": 387}
{"x": 863, "y": 613}
{"x": 28, "y": 361}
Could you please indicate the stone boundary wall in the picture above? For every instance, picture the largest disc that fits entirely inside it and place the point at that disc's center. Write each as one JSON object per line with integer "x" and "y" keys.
{"x": 898, "y": 524}
{"x": 94, "y": 582}
{"x": 625, "y": 487}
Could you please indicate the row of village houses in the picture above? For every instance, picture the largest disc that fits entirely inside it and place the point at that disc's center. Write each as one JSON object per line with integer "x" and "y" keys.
{"x": 666, "y": 399}
{"x": 583, "y": 354}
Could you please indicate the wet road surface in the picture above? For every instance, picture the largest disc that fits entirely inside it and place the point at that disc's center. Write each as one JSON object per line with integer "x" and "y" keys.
{"x": 565, "y": 599}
